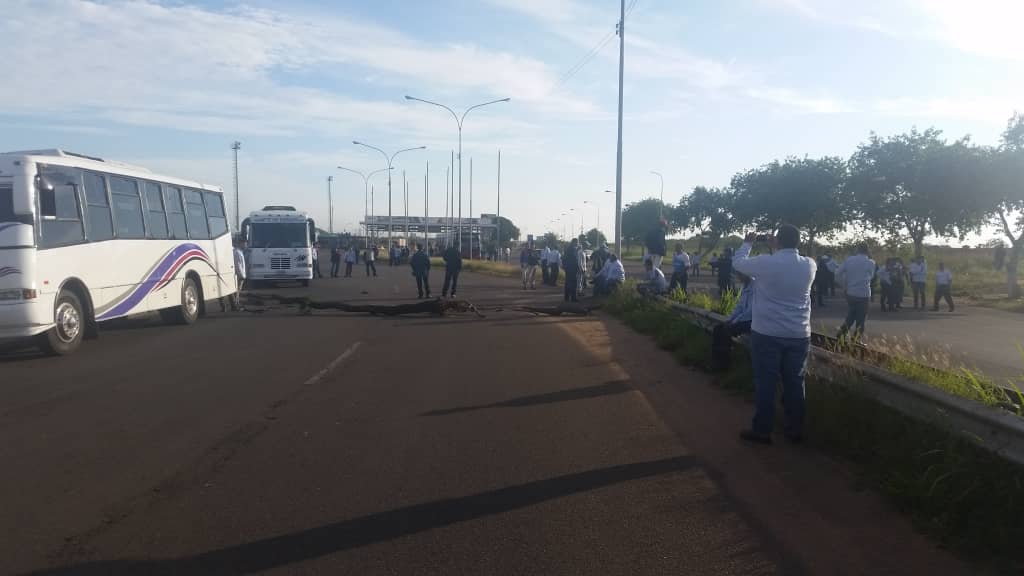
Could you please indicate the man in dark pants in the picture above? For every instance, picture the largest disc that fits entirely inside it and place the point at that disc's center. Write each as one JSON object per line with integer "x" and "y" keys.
{"x": 572, "y": 271}
{"x": 420, "y": 263}
{"x": 316, "y": 261}
{"x": 452, "y": 268}
{"x": 724, "y": 266}
{"x": 780, "y": 336}
{"x": 857, "y": 272}
{"x": 335, "y": 261}
{"x": 943, "y": 287}
{"x": 738, "y": 323}
{"x": 655, "y": 243}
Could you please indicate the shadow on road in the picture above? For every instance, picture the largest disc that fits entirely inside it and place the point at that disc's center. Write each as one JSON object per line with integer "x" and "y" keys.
{"x": 606, "y": 389}
{"x": 320, "y": 541}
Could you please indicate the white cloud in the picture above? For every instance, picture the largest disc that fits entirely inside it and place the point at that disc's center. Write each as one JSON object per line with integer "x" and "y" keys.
{"x": 990, "y": 28}
{"x": 188, "y": 67}
{"x": 795, "y": 101}
{"x": 987, "y": 110}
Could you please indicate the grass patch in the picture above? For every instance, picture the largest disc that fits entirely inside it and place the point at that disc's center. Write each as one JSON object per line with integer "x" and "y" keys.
{"x": 960, "y": 494}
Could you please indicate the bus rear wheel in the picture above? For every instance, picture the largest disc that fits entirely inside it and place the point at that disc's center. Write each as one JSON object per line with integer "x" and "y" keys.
{"x": 188, "y": 311}
{"x": 69, "y": 326}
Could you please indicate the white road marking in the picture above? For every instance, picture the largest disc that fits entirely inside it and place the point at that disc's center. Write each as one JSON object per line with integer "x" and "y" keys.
{"x": 334, "y": 364}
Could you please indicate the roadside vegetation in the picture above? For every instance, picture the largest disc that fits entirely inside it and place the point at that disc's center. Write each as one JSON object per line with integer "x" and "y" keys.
{"x": 962, "y": 495}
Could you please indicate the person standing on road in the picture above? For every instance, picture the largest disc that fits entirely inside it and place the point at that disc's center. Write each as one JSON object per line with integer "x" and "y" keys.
{"x": 316, "y": 261}
{"x": 554, "y": 262}
{"x": 821, "y": 282}
{"x": 598, "y": 259}
{"x": 420, "y": 264}
{"x": 545, "y": 272}
{"x": 857, "y": 272}
{"x": 369, "y": 259}
{"x": 943, "y": 287}
{"x": 240, "y": 275}
{"x": 530, "y": 268}
{"x": 884, "y": 274}
{"x": 899, "y": 284}
{"x": 780, "y": 336}
{"x": 680, "y": 266}
{"x": 350, "y": 260}
{"x": 335, "y": 261}
{"x": 572, "y": 271}
{"x": 452, "y": 268}
{"x": 918, "y": 278}
{"x": 695, "y": 264}
{"x": 724, "y": 265}
{"x": 833, "y": 267}
{"x": 655, "y": 244}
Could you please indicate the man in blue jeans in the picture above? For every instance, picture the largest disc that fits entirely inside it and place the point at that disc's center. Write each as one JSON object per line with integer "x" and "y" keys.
{"x": 857, "y": 272}
{"x": 780, "y": 334}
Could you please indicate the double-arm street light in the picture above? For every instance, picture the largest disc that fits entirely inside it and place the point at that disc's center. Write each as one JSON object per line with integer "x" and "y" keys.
{"x": 366, "y": 189}
{"x": 390, "y": 160}
{"x": 661, "y": 207}
{"x": 459, "y": 120}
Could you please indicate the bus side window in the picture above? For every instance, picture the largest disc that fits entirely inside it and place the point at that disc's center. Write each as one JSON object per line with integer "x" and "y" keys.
{"x": 97, "y": 214}
{"x": 215, "y": 214}
{"x": 127, "y": 206}
{"x": 156, "y": 217}
{"x": 175, "y": 213}
{"x": 195, "y": 213}
{"x": 59, "y": 208}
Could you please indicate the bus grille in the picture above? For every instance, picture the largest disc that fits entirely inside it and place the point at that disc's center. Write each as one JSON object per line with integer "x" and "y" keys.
{"x": 280, "y": 263}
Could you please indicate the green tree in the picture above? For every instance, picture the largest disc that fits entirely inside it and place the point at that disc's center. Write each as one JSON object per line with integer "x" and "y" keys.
{"x": 509, "y": 232}
{"x": 550, "y": 239}
{"x": 639, "y": 217}
{"x": 708, "y": 213}
{"x": 808, "y": 193}
{"x": 1004, "y": 194}
{"x": 595, "y": 238}
{"x": 914, "y": 184}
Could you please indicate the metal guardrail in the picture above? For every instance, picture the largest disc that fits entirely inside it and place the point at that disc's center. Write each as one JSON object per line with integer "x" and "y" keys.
{"x": 991, "y": 428}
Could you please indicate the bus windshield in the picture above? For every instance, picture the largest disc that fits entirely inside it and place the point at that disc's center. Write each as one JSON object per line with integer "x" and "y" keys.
{"x": 279, "y": 235}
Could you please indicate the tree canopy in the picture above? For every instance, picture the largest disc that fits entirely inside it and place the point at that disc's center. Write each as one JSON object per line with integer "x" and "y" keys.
{"x": 639, "y": 217}
{"x": 595, "y": 238}
{"x": 805, "y": 192}
{"x": 710, "y": 213}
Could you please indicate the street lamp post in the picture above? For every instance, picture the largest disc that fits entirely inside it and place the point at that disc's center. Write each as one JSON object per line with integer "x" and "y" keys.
{"x": 390, "y": 160}
{"x": 460, "y": 120}
{"x": 366, "y": 189}
{"x": 236, "y": 146}
{"x": 661, "y": 208}
{"x": 330, "y": 206}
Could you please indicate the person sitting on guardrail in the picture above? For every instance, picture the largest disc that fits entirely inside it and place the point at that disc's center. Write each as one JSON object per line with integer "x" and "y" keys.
{"x": 610, "y": 277}
{"x": 736, "y": 324}
{"x": 656, "y": 284}
{"x": 780, "y": 336}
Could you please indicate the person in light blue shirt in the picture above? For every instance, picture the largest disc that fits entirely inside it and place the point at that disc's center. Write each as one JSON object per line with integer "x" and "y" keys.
{"x": 780, "y": 336}
{"x": 680, "y": 264}
{"x": 856, "y": 273}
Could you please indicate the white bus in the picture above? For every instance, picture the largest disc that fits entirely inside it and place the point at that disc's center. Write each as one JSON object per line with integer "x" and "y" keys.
{"x": 279, "y": 243}
{"x": 84, "y": 240}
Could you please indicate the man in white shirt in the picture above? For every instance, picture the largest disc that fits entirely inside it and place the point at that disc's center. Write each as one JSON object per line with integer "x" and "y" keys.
{"x": 857, "y": 272}
{"x": 240, "y": 274}
{"x": 943, "y": 287}
{"x": 554, "y": 262}
{"x": 656, "y": 283}
{"x": 611, "y": 275}
{"x": 780, "y": 335}
{"x": 918, "y": 278}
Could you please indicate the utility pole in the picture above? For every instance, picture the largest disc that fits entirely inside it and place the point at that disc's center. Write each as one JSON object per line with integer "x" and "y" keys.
{"x": 618, "y": 158}
{"x": 470, "y": 207}
{"x": 330, "y": 206}
{"x": 235, "y": 146}
{"x": 497, "y": 240}
{"x": 426, "y": 206}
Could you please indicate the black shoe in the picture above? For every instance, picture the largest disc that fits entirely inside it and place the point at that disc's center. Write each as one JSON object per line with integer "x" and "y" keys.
{"x": 795, "y": 438}
{"x": 453, "y": 294}
{"x": 420, "y": 296}
{"x": 754, "y": 437}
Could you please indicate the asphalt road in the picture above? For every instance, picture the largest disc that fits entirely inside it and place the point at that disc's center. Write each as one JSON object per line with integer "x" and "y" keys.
{"x": 340, "y": 444}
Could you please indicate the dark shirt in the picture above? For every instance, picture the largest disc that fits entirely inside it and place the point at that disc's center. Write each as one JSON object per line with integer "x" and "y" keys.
{"x": 656, "y": 241}
{"x": 599, "y": 257}
{"x": 453, "y": 259}
{"x": 570, "y": 261}
{"x": 724, "y": 266}
{"x": 420, "y": 263}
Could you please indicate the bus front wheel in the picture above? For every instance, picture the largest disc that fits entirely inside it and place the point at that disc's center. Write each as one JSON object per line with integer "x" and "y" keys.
{"x": 188, "y": 311}
{"x": 69, "y": 326}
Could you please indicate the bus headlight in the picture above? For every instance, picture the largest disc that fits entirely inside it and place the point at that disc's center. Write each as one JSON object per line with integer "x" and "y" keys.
{"x": 18, "y": 294}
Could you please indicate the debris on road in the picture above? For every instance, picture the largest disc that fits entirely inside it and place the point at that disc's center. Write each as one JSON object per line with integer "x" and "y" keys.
{"x": 436, "y": 307}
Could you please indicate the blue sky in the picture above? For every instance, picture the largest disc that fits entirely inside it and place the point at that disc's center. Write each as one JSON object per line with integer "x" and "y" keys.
{"x": 712, "y": 87}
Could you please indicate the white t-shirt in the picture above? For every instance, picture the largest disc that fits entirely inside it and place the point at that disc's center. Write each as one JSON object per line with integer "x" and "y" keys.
{"x": 918, "y": 272}
{"x": 555, "y": 257}
{"x": 943, "y": 278}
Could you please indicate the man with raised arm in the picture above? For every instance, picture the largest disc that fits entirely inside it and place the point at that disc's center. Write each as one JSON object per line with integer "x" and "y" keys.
{"x": 780, "y": 336}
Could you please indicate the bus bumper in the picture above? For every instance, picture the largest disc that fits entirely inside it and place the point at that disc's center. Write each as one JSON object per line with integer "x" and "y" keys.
{"x": 24, "y": 319}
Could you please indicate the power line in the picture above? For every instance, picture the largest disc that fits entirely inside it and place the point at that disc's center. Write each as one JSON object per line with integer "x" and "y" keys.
{"x": 593, "y": 52}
